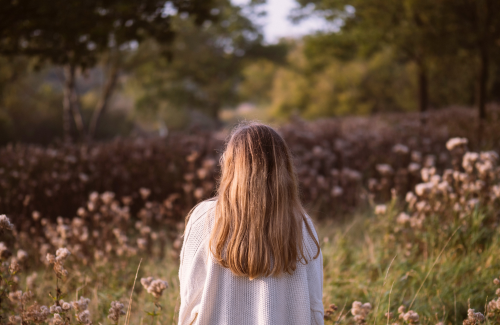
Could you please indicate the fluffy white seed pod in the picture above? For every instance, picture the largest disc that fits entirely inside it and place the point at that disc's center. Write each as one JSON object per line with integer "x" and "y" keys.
{"x": 455, "y": 143}
{"x": 5, "y": 223}
{"x": 157, "y": 287}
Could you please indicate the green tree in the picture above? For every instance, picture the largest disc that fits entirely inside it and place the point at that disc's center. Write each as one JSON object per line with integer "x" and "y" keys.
{"x": 257, "y": 82}
{"x": 206, "y": 67}
{"x": 320, "y": 85}
{"x": 474, "y": 26}
{"x": 74, "y": 34}
{"x": 411, "y": 28}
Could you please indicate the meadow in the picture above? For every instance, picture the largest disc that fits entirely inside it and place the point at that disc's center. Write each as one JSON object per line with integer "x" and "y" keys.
{"x": 408, "y": 219}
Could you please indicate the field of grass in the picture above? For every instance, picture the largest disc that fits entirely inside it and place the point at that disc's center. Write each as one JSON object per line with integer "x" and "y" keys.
{"x": 361, "y": 263}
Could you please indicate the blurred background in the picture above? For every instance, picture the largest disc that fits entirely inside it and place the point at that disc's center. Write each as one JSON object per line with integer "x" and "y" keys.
{"x": 114, "y": 113}
{"x": 93, "y": 70}
{"x": 119, "y": 95}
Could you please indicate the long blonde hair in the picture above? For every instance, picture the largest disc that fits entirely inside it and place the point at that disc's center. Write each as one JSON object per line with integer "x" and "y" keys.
{"x": 258, "y": 214}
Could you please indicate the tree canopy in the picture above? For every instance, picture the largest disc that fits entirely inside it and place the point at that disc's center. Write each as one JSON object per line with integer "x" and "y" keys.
{"x": 77, "y": 31}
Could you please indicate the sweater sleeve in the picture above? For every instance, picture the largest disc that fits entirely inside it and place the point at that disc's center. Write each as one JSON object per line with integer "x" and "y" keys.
{"x": 316, "y": 290}
{"x": 193, "y": 268}
{"x": 315, "y": 279}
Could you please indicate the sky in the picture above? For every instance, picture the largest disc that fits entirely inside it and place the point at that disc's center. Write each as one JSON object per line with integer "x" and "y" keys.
{"x": 277, "y": 25}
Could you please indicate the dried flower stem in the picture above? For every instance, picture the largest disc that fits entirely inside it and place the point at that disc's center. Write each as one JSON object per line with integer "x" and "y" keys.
{"x": 389, "y": 305}
{"x": 153, "y": 315}
{"x": 129, "y": 308}
{"x": 341, "y": 312}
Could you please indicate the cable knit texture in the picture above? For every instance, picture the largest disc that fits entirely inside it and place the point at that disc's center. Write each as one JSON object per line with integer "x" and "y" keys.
{"x": 213, "y": 295}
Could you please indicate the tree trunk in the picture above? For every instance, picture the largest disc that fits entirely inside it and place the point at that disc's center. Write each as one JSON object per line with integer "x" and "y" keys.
{"x": 481, "y": 91}
{"x": 423, "y": 97}
{"x": 103, "y": 102}
{"x": 77, "y": 112}
{"x": 484, "y": 14}
{"x": 69, "y": 79}
{"x": 71, "y": 105}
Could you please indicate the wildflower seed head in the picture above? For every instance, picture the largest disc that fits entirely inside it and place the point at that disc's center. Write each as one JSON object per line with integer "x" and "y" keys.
{"x": 55, "y": 309}
{"x": 423, "y": 188}
{"x": 81, "y": 212}
{"x": 93, "y": 197}
{"x": 416, "y": 156}
{"x": 490, "y": 156}
{"x": 157, "y": 287}
{"x": 66, "y": 306}
{"x": 36, "y": 215}
{"x": 142, "y": 243}
{"x": 62, "y": 254}
{"x": 385, "y": 169}
{"x": 58, "y": 320}
{"x": 30, "y": 280}
{"x": 400, "y": 149}
{"x": 5, "y": 223}
{"x": 145, "y": 192}
{"x": 453, "y": 143}
{"x": 14, "y": 266}
{"x": 107, "y": 197}
{"x": 22, "y": 255}
{"x": 360, "y": 311}
{"x": 146, "y": 282}
{"x": 473, "y": 318}
{"x": 60, "y": 270}
{"x": 336, "y": 191}
{"x": 381, "y": 209}
{"x": 117, "y": 309}
{"x": 81, "y": 304}
{"x": 403, "y": 218}
{"x": 414, "y": 168}
{"x": 411, "y": 199}
{"x": 5, "y": 253}
{"x": 84, "y": 317}
{"x": 479, "y": 317}
{"x": 37, "y": 314}
{"x": 51, "y": 258}
{"x": 16, "y": 296}
{"x": 411, "y": 317}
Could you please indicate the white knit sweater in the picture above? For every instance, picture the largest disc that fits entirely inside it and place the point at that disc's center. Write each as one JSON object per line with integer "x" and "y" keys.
{"x": 213, "y": 295}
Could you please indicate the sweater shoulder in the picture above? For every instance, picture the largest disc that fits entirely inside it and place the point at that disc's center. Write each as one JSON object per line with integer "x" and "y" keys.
{"x": 201, "y": 211}
{"x": 201, "y": 220}
{"x": 310, "y": 238}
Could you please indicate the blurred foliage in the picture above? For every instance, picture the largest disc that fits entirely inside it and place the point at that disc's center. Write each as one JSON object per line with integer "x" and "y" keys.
{"x": 204, "y": 72}
{"x": 30, "y": 103}
{"x": 258, "y": 81}
{"x": 335, "y": 160}
{"x": 318, "y": 80}
{"x": 428, "y": 34}
{"x": 79, "y": 34}
{"x": 381, "y": 56}
{"x": 29, "y": 106}
{"x": 76, "y": 32}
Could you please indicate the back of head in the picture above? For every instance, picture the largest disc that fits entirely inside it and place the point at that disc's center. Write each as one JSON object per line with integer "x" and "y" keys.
{"x": 258, "y": 216}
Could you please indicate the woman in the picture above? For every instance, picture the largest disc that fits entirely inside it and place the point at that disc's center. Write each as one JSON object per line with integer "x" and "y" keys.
{"x": 251, "y": 254}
